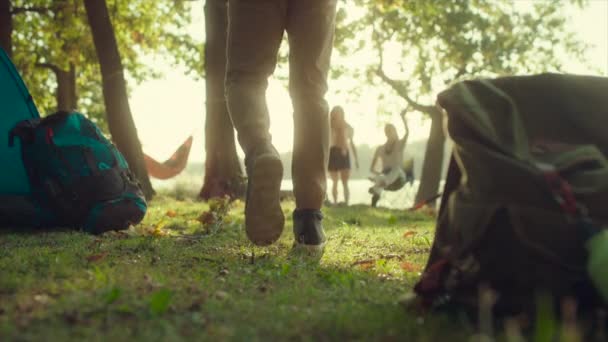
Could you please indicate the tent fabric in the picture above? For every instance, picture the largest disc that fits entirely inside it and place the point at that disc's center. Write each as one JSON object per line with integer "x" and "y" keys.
{"x": 172, "y": 166}
{"x": 16, "y": 105}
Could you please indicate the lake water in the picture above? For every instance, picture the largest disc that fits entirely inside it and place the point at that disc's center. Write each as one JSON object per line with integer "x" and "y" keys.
{"x": 401, "y": 199}
{"x": 359, "y": 194}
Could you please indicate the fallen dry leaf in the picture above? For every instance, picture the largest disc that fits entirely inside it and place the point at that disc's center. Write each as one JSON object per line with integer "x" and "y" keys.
{"x": 42, "y": 298}
{"x": 409, "y": 233}
{"x": 97, "y": 257}
{"x": 410, "y": 267}
{"x": 197, "y": 304}
{"x": 160, "y": 225}
{"x": 158, "y": 231}
{"x": 95, "y": 243}
{"x": 121, "y": 234}
{"x": 430, "y": 211}
{"x": 171, "y": 213}
{"x": 207, "y": 218}
{"x": 391, "y": 256}
{"x": 221, "y": 295}
{"x": 365, "y": 264}
{"x": 150, "y": 282}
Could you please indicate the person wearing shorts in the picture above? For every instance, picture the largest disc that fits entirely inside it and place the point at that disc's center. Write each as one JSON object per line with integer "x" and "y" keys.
{"x": 339, "y": 166}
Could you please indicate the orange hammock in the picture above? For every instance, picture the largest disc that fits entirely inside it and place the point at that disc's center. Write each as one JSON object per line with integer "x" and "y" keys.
{"x": 172, "y": 166}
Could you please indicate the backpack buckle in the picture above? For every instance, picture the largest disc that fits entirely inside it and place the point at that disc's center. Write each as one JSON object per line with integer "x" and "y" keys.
{"x": 564, "y": 196}
{"x": 561, "y": 190}
{"x": 49, "y": 134}
{"x": 24, "y": 130}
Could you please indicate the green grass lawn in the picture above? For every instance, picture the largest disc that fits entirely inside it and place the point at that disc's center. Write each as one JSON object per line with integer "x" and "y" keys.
{"x": 174, "y": 277}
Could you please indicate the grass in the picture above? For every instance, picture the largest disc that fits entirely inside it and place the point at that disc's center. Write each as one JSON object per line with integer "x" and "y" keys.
{"x": 174, "y": 277}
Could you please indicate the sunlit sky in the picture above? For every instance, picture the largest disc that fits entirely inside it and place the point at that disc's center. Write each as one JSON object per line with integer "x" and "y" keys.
{"x": 169, "y": 109}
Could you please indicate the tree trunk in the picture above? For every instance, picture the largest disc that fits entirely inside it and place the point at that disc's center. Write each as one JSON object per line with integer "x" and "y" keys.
{"x": 432, "y": 165}
{"x": 223, "y": 174}
{"x": 6, "y": 26}
{"x": 120, "y": 120}
{"x": 66, "y": 89}
{"x": 65, "y": 94}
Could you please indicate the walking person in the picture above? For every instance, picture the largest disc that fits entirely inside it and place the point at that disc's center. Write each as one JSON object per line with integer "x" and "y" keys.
{"x": 255, "y": 32}
{"x": 339, "y": 155}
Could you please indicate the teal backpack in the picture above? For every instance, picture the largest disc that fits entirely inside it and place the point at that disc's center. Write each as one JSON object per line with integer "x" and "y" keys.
{"x": 78, "y": 178}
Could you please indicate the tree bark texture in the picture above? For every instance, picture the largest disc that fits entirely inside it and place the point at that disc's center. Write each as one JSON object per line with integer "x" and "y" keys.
{"x": 432, "y": 166}
{"x": 120, "y": 120}
{"x": 66, "y": 89}
{"x": 65, "y": 93}
{"x": 223, "y": 174}
{"x": 6, "y": 26}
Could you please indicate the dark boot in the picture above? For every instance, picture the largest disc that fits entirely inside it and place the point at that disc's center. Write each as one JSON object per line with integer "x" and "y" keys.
{"x": 264, "y": 218}
{"x": 308, "y": 230}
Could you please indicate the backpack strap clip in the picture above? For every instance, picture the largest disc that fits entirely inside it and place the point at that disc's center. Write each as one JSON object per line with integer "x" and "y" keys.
{"x": 564, "y": 196}
{"x": 24, "y": 130}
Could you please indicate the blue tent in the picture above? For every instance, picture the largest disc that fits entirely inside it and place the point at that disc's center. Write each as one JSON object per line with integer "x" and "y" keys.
{"x": 17, "y": 105}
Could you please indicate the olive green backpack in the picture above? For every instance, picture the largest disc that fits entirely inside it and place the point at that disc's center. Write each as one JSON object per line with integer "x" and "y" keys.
{"x": 527, "y": 186}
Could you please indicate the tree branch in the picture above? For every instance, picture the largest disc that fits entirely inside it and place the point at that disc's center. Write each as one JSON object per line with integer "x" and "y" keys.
{"x": 400, "y": 89}
{"x": 37, "y": 9}
{"x": 460, "y": 73}
{"x": 397, "y": 86}
{"x": 405, "y": 125}
{"x": 50, "y": 66}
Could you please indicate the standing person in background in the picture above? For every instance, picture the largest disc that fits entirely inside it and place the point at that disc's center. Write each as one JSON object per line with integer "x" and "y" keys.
{"x": 255, "y": 32}
{"x": 390, "y": 156}
{"x": 339, "y": 157}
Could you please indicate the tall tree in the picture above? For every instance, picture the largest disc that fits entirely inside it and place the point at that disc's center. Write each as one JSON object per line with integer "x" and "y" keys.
{"x": 64, "y": 16}
{"x": 423, "y": 46}
{"x": 6, "y": 26}
{"x": 52, "y": 52}
{"x": 65, "y": 93}
{"x": 120, "y": 120}
{"x": 223, "y": 174}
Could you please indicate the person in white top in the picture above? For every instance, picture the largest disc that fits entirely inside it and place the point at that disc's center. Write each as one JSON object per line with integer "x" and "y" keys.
{"x": 390, "y": 155}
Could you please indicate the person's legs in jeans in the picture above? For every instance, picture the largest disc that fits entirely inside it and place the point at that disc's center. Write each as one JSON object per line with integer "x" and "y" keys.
{"x": 255, "y": 30}
{"x": 310, "y": 28}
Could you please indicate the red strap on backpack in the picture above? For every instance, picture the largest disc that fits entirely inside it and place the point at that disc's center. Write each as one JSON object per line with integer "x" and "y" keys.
{"x": 562, "y": 192}
{"x": 49, "y": 135}
{"x": 564, "y": 196}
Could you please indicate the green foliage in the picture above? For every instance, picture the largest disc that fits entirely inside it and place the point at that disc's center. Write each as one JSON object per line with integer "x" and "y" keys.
{"x": 112, "y": 295}
{"x": 56, "y": 33}
{"x": 546, "y": 325}
{"x": 159, "y": 302}
{"x": 430, "y": 44}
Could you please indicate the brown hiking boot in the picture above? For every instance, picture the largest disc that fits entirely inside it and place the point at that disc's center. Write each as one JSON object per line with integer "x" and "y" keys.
{"x": 264, "y": 219}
